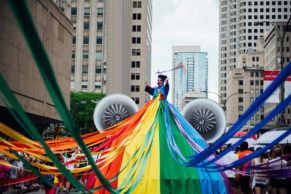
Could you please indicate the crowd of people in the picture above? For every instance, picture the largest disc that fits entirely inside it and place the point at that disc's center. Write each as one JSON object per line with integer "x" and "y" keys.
{"x": 19, "y": 170}
{"x": 253, "y": 180}
{"x": 249, "y": 181}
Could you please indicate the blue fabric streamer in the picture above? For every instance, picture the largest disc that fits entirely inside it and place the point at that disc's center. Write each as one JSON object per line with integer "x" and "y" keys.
{"x": 244, "y": 118}
{"x": 276, "y": 111}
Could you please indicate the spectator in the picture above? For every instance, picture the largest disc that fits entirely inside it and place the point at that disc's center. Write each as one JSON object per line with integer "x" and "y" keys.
{"x": 227, "y": 159}
{"x": 278, "y": 185}
{"x": 237, "y": 185}
{"x": 258, "y": 183}
{"x": 12, "y": 172}
{"x": 3, "y": 171}
{"x": 288, "y": 158}
{"x": 245, "y": 179}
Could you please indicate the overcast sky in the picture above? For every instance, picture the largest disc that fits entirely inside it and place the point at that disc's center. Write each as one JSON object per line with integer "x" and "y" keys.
{"x": 185, "y": 22}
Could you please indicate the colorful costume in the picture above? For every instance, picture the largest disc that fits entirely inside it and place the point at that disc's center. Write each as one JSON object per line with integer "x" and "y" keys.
{"x": 153, "y": 145}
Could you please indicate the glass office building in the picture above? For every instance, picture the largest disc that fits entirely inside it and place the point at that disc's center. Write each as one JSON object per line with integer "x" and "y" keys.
{"x": 196, "y": 78}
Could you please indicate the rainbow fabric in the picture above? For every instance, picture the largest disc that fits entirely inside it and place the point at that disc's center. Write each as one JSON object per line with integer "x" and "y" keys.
{"x": 147, "y": 151}
{"x": 180, "y": 65}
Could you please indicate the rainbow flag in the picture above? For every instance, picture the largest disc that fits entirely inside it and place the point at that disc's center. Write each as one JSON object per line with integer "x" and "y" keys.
{"x": 180, "y": 65}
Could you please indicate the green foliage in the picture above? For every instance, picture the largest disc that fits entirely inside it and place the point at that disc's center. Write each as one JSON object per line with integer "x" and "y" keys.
{"x": 82, "y": 108}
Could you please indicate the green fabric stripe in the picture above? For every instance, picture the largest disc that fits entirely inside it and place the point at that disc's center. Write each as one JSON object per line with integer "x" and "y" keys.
{"x": 24, "y": 19}
{"x": 175, "y": 178}
{"x": 30, "y": 129}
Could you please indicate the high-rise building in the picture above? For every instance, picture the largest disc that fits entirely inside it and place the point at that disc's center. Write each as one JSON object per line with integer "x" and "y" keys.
{"x": 272, "y": 46}
{"x": 111, "y": 47}
{"x": 237, "y": 32}
{"x": 196, "y": 78}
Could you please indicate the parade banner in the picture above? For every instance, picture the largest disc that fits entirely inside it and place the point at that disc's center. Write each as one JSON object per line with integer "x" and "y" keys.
{"x": 269, "y": 77}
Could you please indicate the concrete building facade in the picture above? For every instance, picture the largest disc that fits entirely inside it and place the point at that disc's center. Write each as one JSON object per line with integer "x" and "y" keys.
{"x": 272, "y": 46}
{"x": 19, "y": 69}
{"x": 196, "y": 78}
{"x": 111, "y": 47}
{"x": 189, "y": 96}
{"x": 237, "y": 32}
{"x": 245, "y": 85}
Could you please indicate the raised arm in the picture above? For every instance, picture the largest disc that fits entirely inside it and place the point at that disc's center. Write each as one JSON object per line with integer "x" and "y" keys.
{"x": 149, "y": 89}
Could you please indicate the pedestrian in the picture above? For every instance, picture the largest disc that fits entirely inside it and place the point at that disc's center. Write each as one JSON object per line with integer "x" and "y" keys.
{"x": 258, "y": 183}
{"x": 12, "y": 172}
{"x": 244, "y": 178}
{"x": 3, "y": 171}
{"x": 288, "y": 159}
{"x": 278, "y": 185}
{"x": 227, "y": 159}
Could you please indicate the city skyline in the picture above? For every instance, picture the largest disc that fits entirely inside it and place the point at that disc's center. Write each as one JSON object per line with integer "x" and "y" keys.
{"x": 182, "y": 22}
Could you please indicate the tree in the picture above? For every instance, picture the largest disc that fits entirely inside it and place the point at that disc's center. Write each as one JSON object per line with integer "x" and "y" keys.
{"x": 82, "y": 109}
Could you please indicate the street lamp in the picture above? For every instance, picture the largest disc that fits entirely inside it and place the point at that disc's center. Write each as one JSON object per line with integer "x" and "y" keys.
{"x": 222, "y": 101}
{"x": 282, "y": 116}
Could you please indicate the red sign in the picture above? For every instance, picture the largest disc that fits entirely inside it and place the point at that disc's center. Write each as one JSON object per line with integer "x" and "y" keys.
{"x": 271, "y": 75}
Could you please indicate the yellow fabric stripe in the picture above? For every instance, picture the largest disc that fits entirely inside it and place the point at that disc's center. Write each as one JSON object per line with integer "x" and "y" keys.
{"x": 152, "y": 171}
{"x": 7, "y": 164}
{"x": 138, "y": 137}
{"x": 17, "y": 136}
{"x": 8, "y": 154}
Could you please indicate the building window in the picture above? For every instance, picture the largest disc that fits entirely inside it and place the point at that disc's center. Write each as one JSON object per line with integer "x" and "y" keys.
{"x": 85, "y": 69}
{"x": 240, "y": 91}
{"x": 252, "y": 99}
{"x": 134, "y": 88}
{"x": 252, "y": 91}
{"x": 135, "y": 76}
{"x": 85, "y": 55}
{"x": 136, "y": 4}
{"x": 252, "y": 74}
{"x": 73, "y": 55}
{"x": 135, "y": 52}
{"x": 135, "y": 64}
{"x": 73, "y": 11}
{"x": 136, "y": 16}
{"x": 257, "y": 91}
{"x": 262, "y": 82}
{"x": 73, "y": 69}
{"x": 86, "y": 25}
{"x": 98, "y": 69}
{"x": 257, "y": 117}
{"x": 74, "y": 25}
{"x": 99, "y": 25}
{"x": 240, "y": 108}
{"x": 99, "y": 40}
{"x": 72, "y": 84}
{"x": 74, "y": 40}
{"x": 97, "y": 85}
{"x": 257, "y": 82}
{"x": 84, "y": 84}
{"x": 99, "y": 11}
{"x": 136, "y": 28}
{"x": 251, "y": 82}
{"x": 136, "y": 100}
{"x": 240, "y": 99}
{"x": 85, "y": 40}
{"x": 98, "y": 55}
{"x": 136, "y": 40}
{"x": 240, "y": 82}
{"x": 86, "y": 11}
